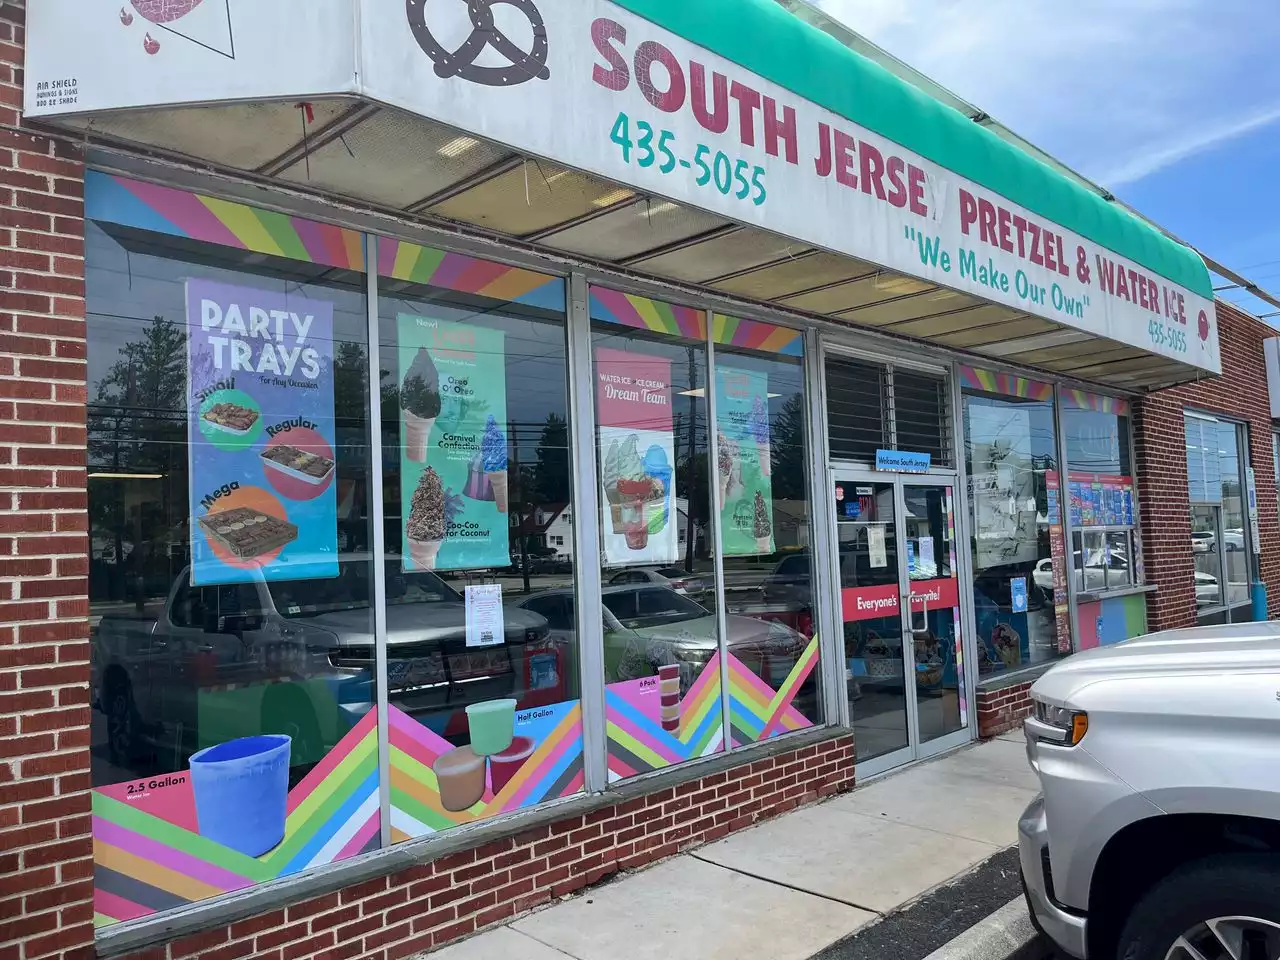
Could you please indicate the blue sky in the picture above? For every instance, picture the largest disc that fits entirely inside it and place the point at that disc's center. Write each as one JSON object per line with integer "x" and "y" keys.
{"x": 1172, "y": 104}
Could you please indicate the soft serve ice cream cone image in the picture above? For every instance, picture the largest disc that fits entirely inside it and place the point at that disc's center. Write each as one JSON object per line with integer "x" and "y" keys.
{"x": 493, "y": 454}
{"x": 419, "y": 405}
{"x": 762, "y": 525}
{"x": 758, "y": 427}
{"x": 612, "y": 495}
{"x": 724, "y": 464}
{"x": 427, "y": 523}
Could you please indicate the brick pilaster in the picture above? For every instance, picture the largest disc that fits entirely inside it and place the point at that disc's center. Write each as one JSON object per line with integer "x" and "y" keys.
{"x": 46, "y": 865}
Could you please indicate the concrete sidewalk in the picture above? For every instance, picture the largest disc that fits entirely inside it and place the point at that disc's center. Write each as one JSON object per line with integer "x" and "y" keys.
{"x": 789, "y": 887}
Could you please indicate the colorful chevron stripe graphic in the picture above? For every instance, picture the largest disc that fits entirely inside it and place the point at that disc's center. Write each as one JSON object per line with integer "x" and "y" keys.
{"x": 642, "y": 313}
{"x": 637, "y": 742}
{"x": 180, "y": 213}
{"x": 754, "y": 335}
{"x": 144, "y": 863}
{"x": 1079, "y": 400}
{"x": 554, "y": 769}
{"x": 756, "y": 710}
{"x": 988, "y": 381}
{"x": 401, "y": 260}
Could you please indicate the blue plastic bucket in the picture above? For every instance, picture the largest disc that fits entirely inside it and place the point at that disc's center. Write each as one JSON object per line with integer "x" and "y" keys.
{"x": 241, "y": 790}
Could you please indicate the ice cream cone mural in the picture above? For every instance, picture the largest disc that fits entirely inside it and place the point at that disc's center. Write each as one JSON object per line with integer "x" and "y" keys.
{"x": 427, "y": 525}
{"x": 419, "y": 404}
{"x": 493, "y": 453}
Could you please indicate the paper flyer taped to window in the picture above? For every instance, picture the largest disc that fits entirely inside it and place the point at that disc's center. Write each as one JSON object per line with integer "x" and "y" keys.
{"x": 875, "y": 546}
{"x": 927, "y": 561}
{"x": 484, "y": 615}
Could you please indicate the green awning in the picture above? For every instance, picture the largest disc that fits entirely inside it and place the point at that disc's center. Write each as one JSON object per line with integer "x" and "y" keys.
{"x": 762, "y": 37}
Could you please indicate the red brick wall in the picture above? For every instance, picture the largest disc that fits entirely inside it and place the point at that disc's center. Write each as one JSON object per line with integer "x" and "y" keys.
{"x": 1002, "y": 710}
{"x": 45, "y": 850}
{"x": 432, "y": 904}
{"x": 1241, "y": 394}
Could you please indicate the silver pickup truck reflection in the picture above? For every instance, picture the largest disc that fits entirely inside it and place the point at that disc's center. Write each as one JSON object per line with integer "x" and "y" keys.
{"x": 297, "y": 657}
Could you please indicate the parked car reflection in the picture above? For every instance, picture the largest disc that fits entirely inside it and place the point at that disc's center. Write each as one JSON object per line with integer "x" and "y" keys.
{"x": 213, "y": 663}
{"x": 649, "y": 625}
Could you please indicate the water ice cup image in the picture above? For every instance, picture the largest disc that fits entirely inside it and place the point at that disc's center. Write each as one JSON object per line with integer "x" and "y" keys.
{"x": 459, "y": 778}
{"x": 762, "y": 525}
{"x": 426, "y": 526}
{"x": 493, "y": 453}
{"x": 758, "y": 426}
{"x": 505, "y": 765}
{"x": 241, "y": 792}
{"x": 492, "y": 724}
{"x": 419, "y": 404}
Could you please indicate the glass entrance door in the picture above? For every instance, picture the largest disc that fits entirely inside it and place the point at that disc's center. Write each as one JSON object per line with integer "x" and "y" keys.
{"x": 900, "y": 606}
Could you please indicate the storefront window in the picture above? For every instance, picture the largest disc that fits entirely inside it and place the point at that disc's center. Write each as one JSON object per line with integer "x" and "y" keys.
{"x": 1105, "y": 554}
{"x": 482, "y": 653}
{"x": 763, "y": 493}
{"x": 234, "y": 738}
{"x": 1219, "y": 542}
{"x": 662, "y": 647}
{"x": 1019, "y": 556}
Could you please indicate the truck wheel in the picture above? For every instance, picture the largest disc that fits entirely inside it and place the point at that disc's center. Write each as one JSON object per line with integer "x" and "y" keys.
{"x": 1219, "y": 908}
{"x": 124, "y": 726}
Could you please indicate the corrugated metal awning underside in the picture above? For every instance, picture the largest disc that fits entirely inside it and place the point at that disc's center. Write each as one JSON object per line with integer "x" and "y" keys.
{"x": 436, "y": 174}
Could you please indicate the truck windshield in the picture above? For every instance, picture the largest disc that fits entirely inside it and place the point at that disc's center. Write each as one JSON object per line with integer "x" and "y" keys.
{"x": 350, "y": 590}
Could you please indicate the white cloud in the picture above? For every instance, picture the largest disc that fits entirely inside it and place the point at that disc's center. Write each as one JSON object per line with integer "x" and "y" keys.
{"x": 1114, "y": 88}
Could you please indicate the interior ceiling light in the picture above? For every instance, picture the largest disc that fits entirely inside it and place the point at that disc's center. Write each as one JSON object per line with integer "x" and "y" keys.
{"x": 458, "y": 146}
{"x": 612, "y": 197}
{"x": 651, "y": 210}
{"x": 892, "y": 283}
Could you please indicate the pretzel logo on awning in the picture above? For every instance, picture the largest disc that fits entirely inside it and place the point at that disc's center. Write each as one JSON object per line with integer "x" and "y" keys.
{"x": 522, "y": 65}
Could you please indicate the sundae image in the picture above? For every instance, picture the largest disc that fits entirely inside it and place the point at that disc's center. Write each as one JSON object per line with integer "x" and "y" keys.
{"x": 493, "y": 452}
{"x": 635, "y": 489}
{"x": 427, "y": 523}
{"x": 758, "y": 426}
{"x": 762, "y": 525}
{"x": 420, "y": 405}
{"x": 610, "y": 471}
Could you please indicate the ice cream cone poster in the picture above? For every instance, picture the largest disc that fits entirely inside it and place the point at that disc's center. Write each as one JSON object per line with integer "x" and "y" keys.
{"x": 744, "y": 461}
{"x": 261, "y": 433}
{"x": 637, "y": 463}
{"x": 454, "y": 486}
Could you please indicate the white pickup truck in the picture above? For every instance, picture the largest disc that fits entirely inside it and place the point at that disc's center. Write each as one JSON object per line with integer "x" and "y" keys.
{"x": 297, "y": 657}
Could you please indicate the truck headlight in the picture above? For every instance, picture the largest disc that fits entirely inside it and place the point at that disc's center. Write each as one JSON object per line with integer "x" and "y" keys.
{"x": 1059, "y": 725}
